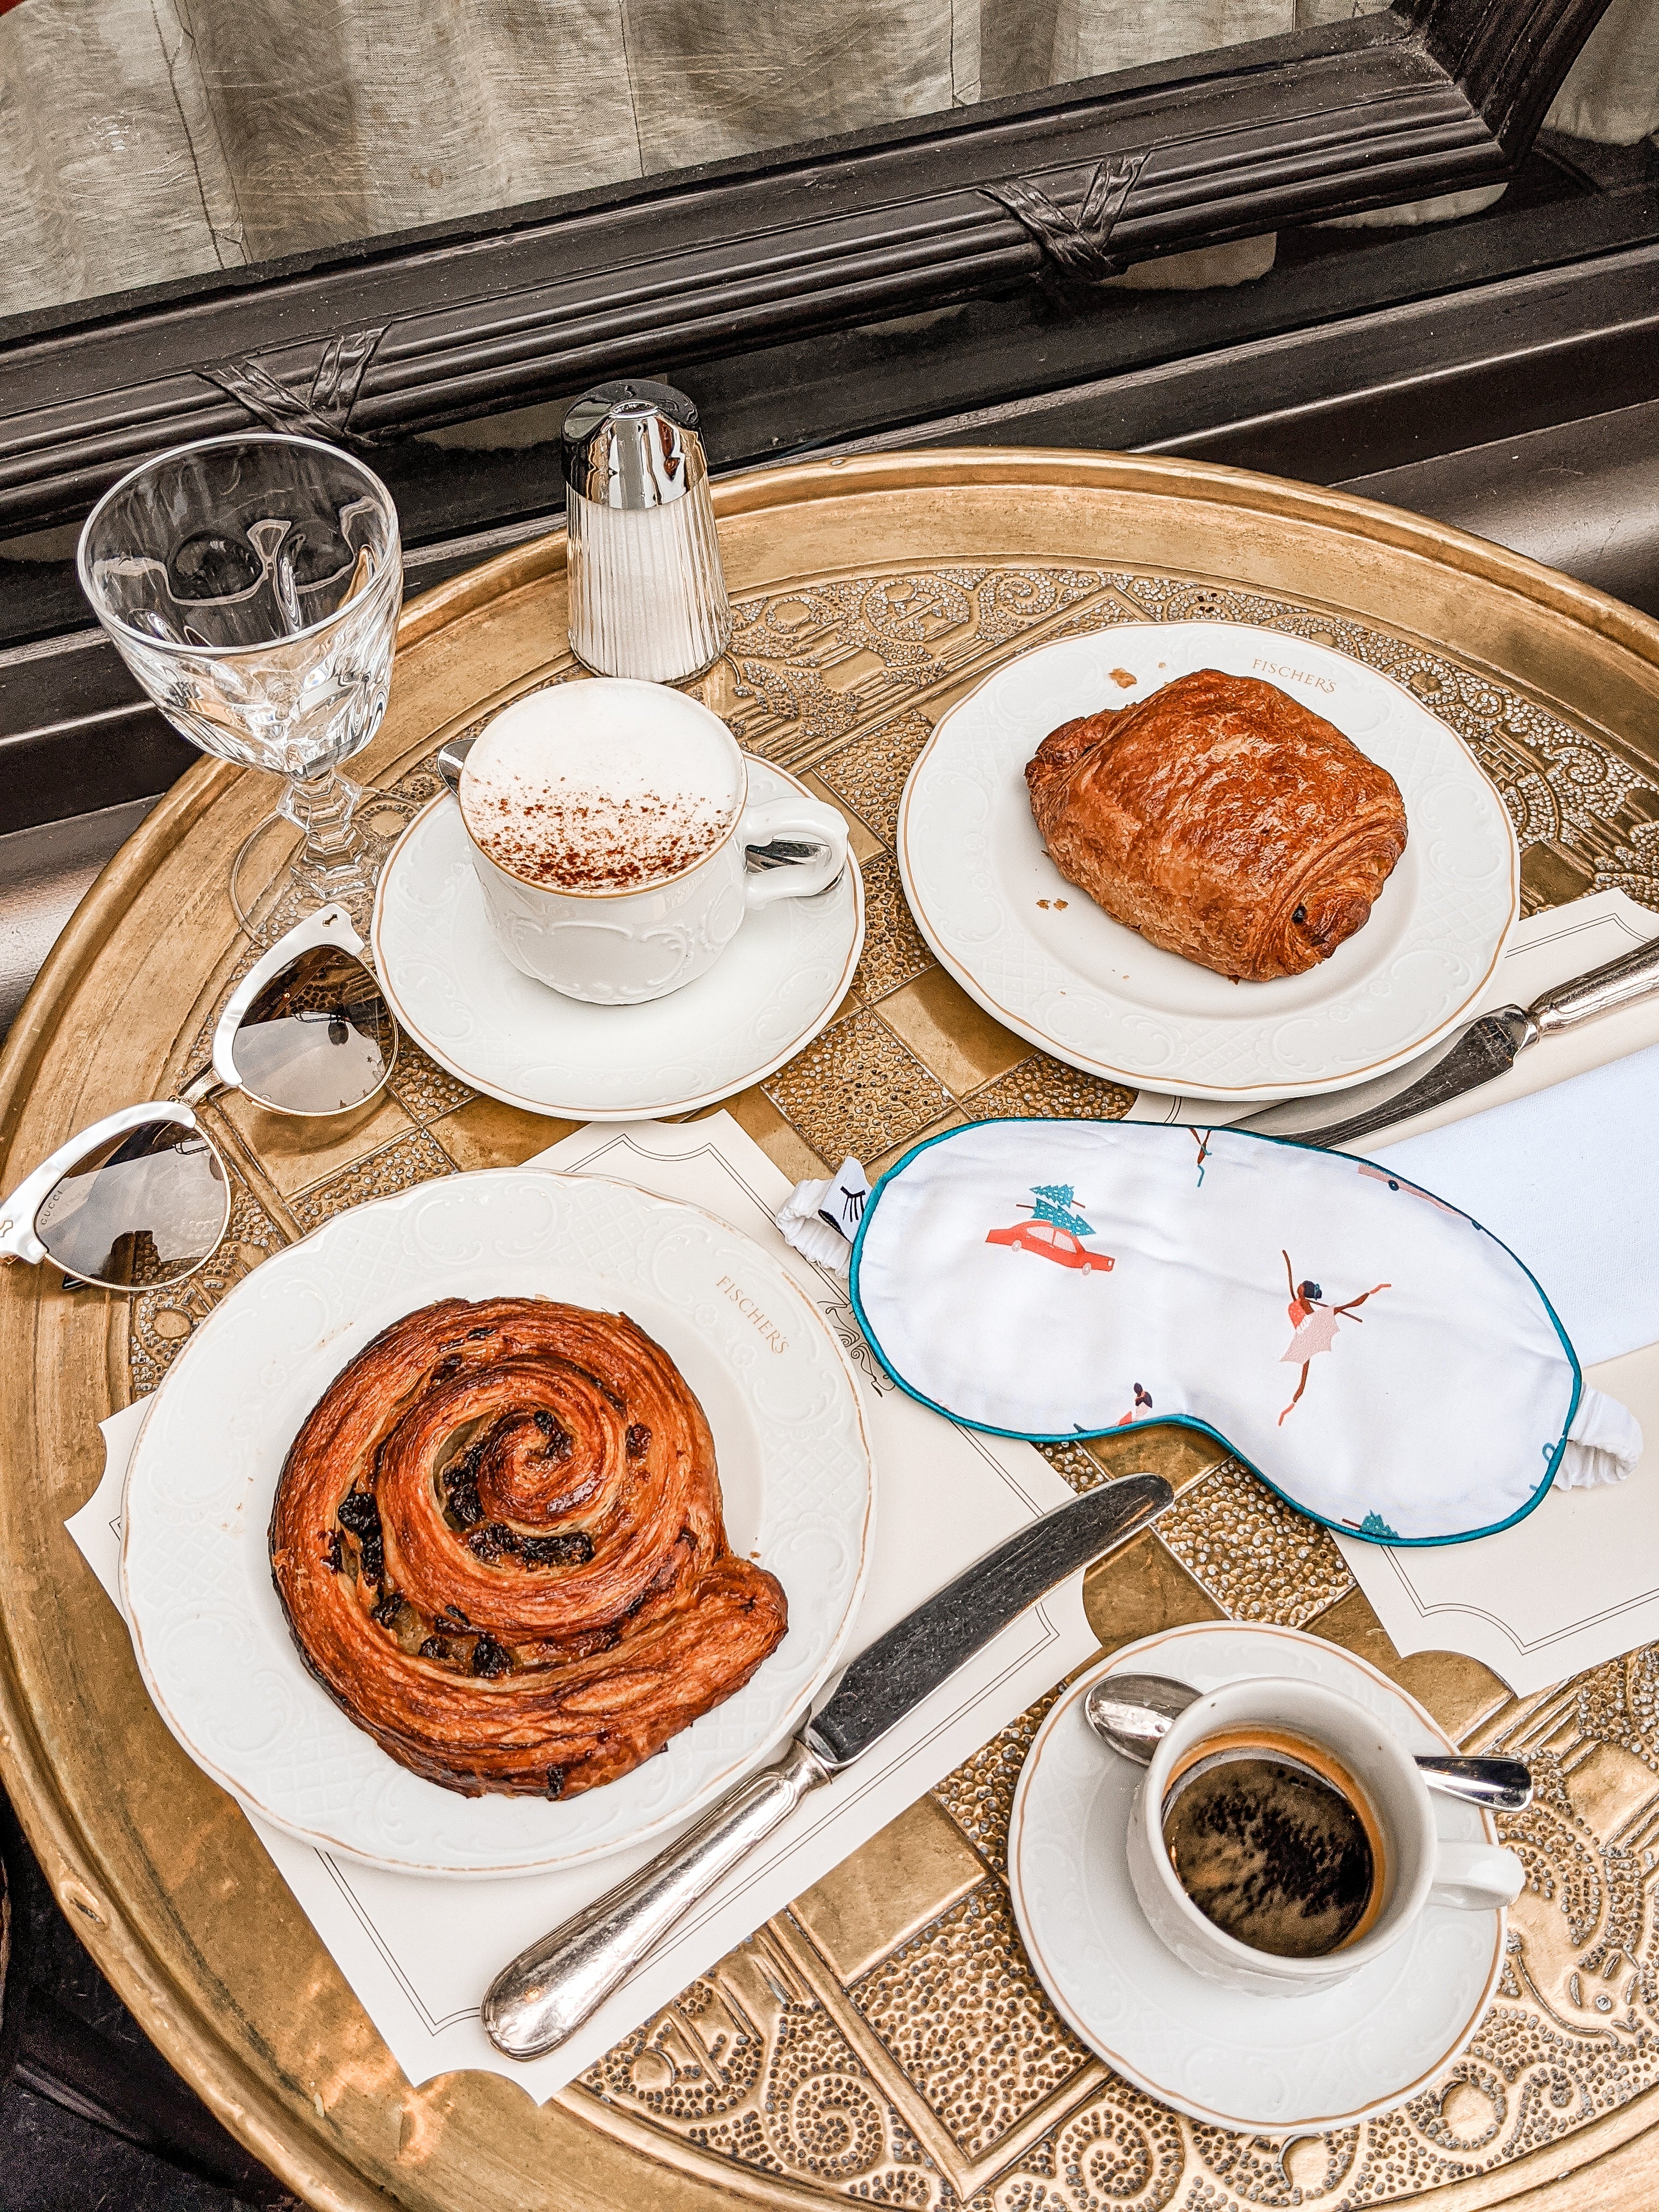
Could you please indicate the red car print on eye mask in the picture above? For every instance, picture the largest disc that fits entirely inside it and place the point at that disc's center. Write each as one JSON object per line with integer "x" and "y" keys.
{"x": 1050, "y": 1242}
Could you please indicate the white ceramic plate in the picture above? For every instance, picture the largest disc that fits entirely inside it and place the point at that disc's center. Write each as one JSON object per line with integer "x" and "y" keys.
{"x": 1263, "y": 2065}
{"x": 212, "y": 1641}
{"x": 1098, "y": 994}
{"x": 775, "y": 986}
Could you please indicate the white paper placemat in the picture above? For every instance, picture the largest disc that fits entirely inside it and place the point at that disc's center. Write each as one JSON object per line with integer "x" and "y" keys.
{"x": 1576, "y": 1582}
{"x": 419, "y": 1952}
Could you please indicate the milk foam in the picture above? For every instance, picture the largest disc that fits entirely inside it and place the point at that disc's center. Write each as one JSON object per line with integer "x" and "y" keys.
{"x": 604, "y": 786}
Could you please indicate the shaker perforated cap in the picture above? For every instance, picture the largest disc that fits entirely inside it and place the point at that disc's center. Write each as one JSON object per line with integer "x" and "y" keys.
{"x": 633, "y": 445}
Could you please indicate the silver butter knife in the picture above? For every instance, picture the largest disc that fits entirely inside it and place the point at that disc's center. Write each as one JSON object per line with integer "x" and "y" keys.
{"x": 1487, "y": 1049}
{"x": 549, "y": 1989}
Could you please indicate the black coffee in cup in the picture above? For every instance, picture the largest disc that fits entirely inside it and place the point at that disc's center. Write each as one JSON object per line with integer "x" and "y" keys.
{"x": 1274, "y": 1843}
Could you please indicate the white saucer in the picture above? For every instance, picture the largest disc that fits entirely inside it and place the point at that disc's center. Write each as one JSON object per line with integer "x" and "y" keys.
{"x": 1261, "y": 2065}
{"x": 1040, "y": 955}
{"x": 212, "y": 1640}
{"x": 456, "y": 993}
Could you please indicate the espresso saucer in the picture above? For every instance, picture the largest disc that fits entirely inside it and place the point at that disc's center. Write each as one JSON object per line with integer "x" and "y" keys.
{"x": 461, "y": 1000}
{"x": 1272, "y": 2066}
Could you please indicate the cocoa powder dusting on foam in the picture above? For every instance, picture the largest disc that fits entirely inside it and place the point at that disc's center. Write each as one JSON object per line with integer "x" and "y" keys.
{"x": 590, "y": 841}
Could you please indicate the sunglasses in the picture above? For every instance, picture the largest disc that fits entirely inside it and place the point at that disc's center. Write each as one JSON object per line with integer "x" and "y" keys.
{"x": 141, "y": 1199}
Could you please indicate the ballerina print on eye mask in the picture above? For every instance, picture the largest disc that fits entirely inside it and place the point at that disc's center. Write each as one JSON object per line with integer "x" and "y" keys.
{"x": 1314, "y": 1323}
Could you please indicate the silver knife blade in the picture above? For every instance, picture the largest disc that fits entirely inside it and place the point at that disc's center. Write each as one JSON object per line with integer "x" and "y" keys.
{"x": 1486, "y": 1050}
{"x": 899, "y": 1669}
{"x": 1429, "y": 1080}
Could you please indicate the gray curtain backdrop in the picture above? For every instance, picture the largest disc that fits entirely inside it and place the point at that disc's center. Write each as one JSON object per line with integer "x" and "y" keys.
{"x": 141, "y": 140}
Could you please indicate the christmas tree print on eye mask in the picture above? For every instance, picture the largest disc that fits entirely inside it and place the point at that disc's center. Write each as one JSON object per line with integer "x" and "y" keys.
{"x": 1056, "y": 1279}
{"x": 1055, "y": 1231}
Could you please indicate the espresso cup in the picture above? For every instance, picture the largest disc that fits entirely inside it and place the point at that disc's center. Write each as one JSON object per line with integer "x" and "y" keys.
{"x": 611, "y": 832}
{"x": 1339, "y": 1740}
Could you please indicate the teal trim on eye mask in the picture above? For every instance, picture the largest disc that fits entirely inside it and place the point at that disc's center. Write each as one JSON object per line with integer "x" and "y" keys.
{"x": 1373, "y": 1529}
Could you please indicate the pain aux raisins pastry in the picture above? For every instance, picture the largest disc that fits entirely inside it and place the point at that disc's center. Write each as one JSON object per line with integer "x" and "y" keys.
{"x": 1224, "y": 820}
{"x": 499, "y": 1544}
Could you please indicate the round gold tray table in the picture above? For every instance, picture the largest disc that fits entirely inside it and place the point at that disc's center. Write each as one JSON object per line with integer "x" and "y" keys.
{"x": 884, "y": 2041}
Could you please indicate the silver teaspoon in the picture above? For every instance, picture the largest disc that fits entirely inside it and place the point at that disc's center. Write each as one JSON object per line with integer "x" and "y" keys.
{"x": 1133, "y": 1712}
{"x": 451, "y": 759}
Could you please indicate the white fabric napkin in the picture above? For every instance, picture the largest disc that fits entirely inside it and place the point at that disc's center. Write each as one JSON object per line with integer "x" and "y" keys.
{"x": 1569, "y": 1179}
{"x": 419, "y": 1952}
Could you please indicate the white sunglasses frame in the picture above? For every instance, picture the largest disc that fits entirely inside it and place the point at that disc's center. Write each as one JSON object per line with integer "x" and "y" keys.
{"x": 330, "y": 925}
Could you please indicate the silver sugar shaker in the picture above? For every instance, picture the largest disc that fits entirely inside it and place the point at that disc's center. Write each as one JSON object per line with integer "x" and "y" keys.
{"x": 648, "y": 594}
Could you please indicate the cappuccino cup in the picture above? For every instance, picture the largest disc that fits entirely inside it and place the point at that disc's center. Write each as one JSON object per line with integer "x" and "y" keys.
{"x": 611, "y": 832}
{"x": 1282, "y": 1838}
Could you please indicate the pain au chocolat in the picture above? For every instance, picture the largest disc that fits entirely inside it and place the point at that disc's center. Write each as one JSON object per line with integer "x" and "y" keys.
{"x": 1224, "y": 820}
{"x": 499, "y": 1543}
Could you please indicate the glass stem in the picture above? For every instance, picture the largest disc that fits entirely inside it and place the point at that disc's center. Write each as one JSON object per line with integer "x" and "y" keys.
{"x": 322, "y": 806}
{"x": 337, "y": 863}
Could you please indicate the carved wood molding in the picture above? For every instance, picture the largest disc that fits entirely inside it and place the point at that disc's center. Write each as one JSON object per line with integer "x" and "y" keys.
{"x": 376, "y": 343}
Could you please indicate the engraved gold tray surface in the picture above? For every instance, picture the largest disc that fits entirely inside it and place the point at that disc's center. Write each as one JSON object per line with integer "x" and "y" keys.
{"x": 884, "y": 2041}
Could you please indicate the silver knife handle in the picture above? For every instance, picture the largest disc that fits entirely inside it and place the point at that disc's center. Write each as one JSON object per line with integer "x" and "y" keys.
{"x": 1632, "y": 976}
{"x": 549, "y": 1989}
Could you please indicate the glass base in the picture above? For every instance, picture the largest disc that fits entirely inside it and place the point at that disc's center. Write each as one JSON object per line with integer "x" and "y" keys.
{"x": 275, "y": 883}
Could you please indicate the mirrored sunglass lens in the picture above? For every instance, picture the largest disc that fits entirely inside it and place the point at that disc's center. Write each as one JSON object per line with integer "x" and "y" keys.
{"x": 319, "y": 1038}
{"x": 139, "y": 1211}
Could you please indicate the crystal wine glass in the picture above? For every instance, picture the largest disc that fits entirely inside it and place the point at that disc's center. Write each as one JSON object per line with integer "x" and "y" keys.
{"x": 252, "y": 584}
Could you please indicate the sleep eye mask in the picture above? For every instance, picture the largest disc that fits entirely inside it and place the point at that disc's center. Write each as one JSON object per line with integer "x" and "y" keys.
{"x": 1378, "y": 1357}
